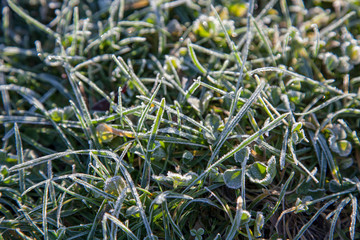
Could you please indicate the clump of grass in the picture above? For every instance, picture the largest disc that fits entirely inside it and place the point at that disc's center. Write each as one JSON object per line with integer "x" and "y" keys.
{"x": 179, "y": 120}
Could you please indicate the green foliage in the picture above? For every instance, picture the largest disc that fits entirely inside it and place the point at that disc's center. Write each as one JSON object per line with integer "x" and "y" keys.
{"x": 179, "y": 119}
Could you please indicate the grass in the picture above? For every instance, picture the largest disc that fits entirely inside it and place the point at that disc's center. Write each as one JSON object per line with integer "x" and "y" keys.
{"x": 180, "y": 119}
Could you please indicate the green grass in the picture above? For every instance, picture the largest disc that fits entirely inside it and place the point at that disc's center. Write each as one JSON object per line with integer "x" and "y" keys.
{"x": 180, "y": 119}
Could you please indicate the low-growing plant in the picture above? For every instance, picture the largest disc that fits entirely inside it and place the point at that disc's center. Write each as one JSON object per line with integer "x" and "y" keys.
{"x": 180, "y": 119}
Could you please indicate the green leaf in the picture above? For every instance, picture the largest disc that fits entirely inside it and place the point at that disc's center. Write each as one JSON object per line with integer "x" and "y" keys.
{"x": 334, "y": 186}
{"x": 159, "y": 153}
{"x": 296, "y": 126}
{"x": 115, "y": 185}
{"x": 56, "y": 114}
{"x": 300, "y": 207}
{"x": 260, "y": 173}
{"x": 344, "y": 148}
{"x": 257, "y": 170}
{"x": 242, "y": 155}
{"x": 259, "y": 224}
{"x": 232, "y": 178}
{"x": 188, "y": 156}
{"x": 176, "y": 178}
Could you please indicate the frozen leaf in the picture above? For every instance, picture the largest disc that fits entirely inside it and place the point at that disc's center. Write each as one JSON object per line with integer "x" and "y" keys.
{"x": 259, "y": 224}
{"x": 298, "y": 133}
{"x": 260, "y": 173}
{"x": 197, "y": 233}
{"x": 59, "y": 114}
{"x": 346, "y": 163}
{"x": 334, "y": 186}
{"x": 182, "y": 180}
{"x": 337, "y": 141}
{"x": 209, "y": 26}
{"x": 296, "y": 96}
{"x": 344, "y": 147}
{"x": 299, "y": 206}
{"x": 242, "y": 155}
{"x": 161, "y": 178}
{"x": 68, "y": 112}
{"x": 194, "y": 102}
{"x": 136, "y": 149}
{"x": 103, "y": 134}
{"x": 115, "y": 185}
{"x": 160, "y": 199}
{"x": 56, "y": 114}
{"x": 296, "y": 126}
{"x": 238, "y": 9}
{"x": 282, "y": 107}
{"x": 338, "y": 131}
{"x": 133, "y": 211}
{"x": 275, "y": 95}
{"x": 187, "y": 156}
{"x": 245, "y": 217}
{"x": 215, "y": 176}
{"x": 298, "y": 136}
{"x": 176, "y": 178}
{"x": 213, "y": 121}
{"x": 344, "y": 64}
{"x": 4, "y": 172}
{"x": 257, "y": 170}
{"x": 159, "y": 153}
{"x": 210, "y": 138}
{"x": 232, "y": 178}
{"x": 331, "y": 61}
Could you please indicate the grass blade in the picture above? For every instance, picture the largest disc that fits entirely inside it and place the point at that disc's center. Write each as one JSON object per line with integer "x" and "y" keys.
{"x": 131, "y": 75}
{"x": 231, "y": 124}
{"x": 147, "y": 108}
{"x": 354, "y": 213}
{"x": 116, "y": 221}
{"x": 264, "y": 39}
{"x": 31, "y": 20}
{"x": 334, "y": 168}
{"x": 154, "y": 129}
{"x": 316, "y": 215}
{"x": 195, "y": 60}
{"x": 283, "y": 149}
{"x": 281, "y": 196}
{"x": 20, "y": 157}
{"x": 44, "y": 210}
{"x": 337, "y": 211}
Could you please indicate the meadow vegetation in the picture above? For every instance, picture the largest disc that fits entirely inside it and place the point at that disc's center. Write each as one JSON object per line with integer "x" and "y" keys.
{"x": 180, "y": 119}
